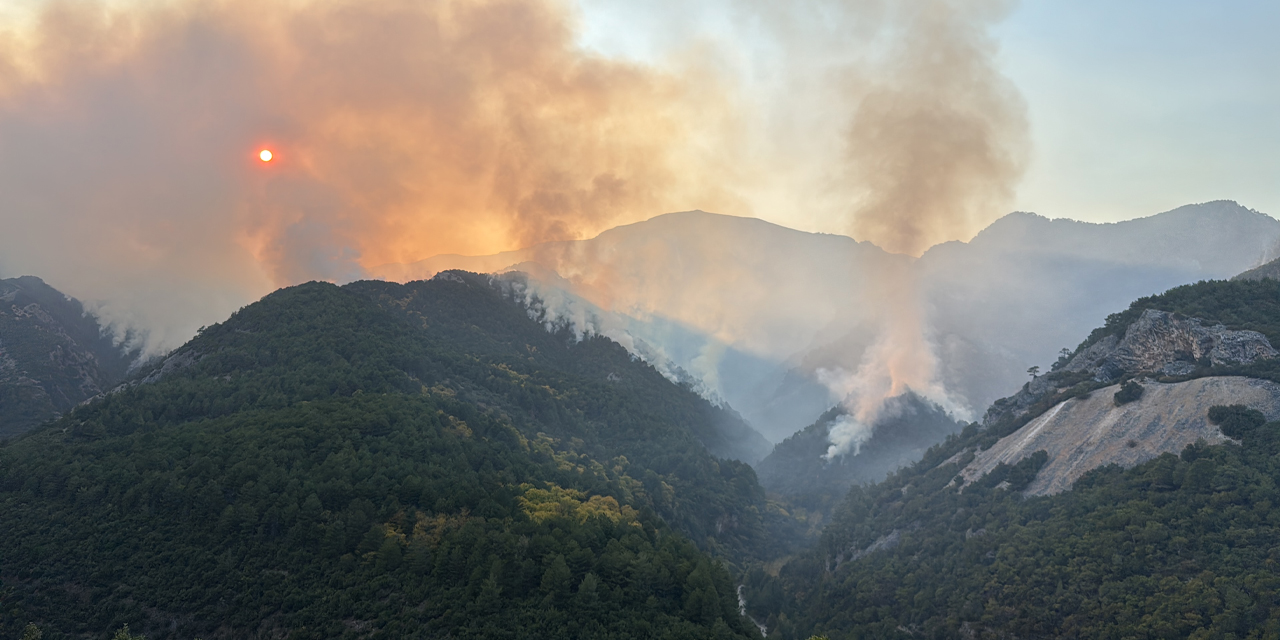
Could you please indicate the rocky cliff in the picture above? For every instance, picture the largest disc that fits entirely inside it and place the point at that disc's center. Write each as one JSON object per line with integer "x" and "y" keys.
{"x": 1077, "y": 415}
{"x": 1158, "y": 343}
{"x": 1165, "y": 343}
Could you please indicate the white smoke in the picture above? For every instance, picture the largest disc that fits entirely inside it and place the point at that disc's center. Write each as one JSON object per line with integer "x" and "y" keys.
{"x": 902, "y": 360}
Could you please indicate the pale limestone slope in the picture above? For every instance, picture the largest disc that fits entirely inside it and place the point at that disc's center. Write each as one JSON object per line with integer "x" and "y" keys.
{"x": 1083, "y": 434}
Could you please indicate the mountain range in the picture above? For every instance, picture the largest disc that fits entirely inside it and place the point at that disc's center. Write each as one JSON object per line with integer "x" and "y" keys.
{"x": 751, "y": 313}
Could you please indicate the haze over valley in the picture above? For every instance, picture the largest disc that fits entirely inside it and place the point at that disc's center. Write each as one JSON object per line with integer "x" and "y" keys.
{"x": 596, "y": 319}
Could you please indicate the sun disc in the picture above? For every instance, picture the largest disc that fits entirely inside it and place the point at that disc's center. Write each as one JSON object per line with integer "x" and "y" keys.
{"x": 265, "y": 155}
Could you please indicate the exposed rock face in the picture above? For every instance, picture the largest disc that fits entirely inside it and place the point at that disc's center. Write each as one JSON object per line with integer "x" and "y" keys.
{"x": 174, "y": 363}
{"x": 1162, "y": 342}
{"x": 1158, "y": 343}
{"x": 1085, "y": 433}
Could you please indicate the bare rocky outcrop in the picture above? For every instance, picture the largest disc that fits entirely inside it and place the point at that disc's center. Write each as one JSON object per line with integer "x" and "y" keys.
{"x": 1082, "y": 434}
{"x": 1163, "y": 342}
{"x": 1157, "y": 343}
{"x": 174, "y": 363}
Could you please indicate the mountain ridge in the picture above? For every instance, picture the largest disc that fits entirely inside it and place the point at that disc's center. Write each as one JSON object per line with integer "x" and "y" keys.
{"x": 1098, "y": 512}
{"x": 816, "y": 300}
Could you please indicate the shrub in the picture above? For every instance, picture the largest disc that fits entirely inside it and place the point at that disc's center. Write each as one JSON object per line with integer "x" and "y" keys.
{"x": 1129, "y": 392}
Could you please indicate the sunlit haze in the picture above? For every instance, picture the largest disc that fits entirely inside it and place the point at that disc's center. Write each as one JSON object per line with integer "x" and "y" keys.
{"x": 472, "y": 127}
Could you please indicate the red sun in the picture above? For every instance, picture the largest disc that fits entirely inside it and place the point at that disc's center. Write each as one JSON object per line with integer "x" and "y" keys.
{"x": 265, "y": 155}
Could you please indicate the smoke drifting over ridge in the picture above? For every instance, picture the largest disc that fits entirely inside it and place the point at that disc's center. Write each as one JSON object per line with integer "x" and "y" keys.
{"x": 128, "y": 135}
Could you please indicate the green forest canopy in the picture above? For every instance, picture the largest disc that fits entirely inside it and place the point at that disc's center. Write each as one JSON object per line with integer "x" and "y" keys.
{"x": 382, "y": 461}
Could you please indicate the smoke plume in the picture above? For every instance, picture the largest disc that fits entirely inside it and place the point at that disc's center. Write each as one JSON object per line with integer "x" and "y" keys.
{"x": 935, "y": 148}
{"x": 901, "y": 360}
{"x": 405, "y": 129}
{"x": 937, "y": 143}
{"x": 401, "y": 129}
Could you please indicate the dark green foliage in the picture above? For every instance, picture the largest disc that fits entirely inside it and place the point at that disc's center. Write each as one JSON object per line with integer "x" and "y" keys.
{"x": 798, "y": 470}
{"x": 1014, "y": 477}
{"x": 1237, "y": 421}
{"x": 1130, "y": 391}
{"x": 1171, "y": 547}
{"x": 382, "y": 461}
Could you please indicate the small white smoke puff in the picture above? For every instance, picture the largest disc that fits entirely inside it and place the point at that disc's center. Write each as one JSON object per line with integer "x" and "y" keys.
{"x": 847, "y": 436}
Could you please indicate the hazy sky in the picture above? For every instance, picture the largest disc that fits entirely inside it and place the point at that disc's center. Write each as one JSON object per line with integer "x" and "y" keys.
{"x": 1138, "y": 107}
{"x": 1135, "y": 106}
{"x": 129, "y": 129}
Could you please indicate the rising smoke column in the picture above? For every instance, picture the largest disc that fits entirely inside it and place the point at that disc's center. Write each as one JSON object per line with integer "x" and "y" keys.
{"x": 935, "y": 149}
{"x": 939, "y": 140}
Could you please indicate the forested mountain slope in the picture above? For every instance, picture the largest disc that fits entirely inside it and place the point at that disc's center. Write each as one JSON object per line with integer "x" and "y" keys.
{"x": 799, "y": 469}
{"x": 1182, "y": 545}
{"x": 53, "y": 355}
{"x": 383, "y": 461}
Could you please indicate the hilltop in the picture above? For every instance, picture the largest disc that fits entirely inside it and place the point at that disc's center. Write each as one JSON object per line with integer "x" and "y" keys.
{"x": 384, "y": 460}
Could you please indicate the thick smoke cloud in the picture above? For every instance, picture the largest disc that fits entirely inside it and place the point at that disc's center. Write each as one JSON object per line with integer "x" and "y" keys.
{"x": 937, "y": 143}
{"x": 402, "y": 129}
{"x": 935, "y": 149}
{"x": 406, "y": 129}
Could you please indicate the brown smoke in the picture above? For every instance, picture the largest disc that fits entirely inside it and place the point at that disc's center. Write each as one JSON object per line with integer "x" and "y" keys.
{"x": 936, "y": 145}
{"x": 409, "y": 128}
{"x": 938, "y": 140}
{"x": 402, "y": 129}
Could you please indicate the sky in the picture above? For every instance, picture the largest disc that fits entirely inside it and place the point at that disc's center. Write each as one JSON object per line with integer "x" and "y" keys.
{"x": 1139, "y": 107}
{"x": 403, "y": 129}
{"x": 1135, "y": 106}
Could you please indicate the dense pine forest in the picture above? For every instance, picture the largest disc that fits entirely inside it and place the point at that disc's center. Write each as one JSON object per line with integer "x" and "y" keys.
{"x": 382, "y": 460}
